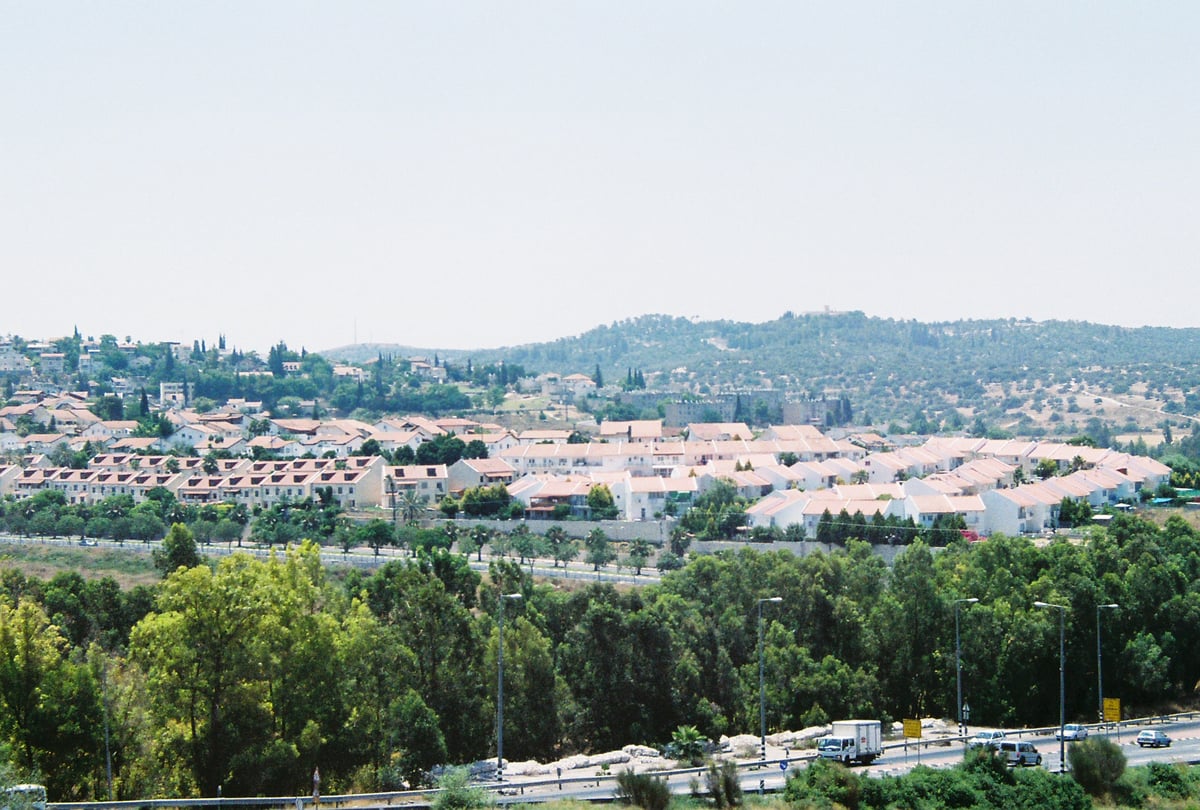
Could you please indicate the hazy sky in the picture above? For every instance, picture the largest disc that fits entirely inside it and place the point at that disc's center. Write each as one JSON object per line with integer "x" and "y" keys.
{"x": 478, "y": 174}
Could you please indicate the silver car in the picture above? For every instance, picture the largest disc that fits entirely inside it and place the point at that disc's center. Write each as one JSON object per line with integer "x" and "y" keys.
{"x": 1154, "y": 739}
{"x": 986, "y": 739}
{"x": 1017, "y": 752}
{"x": 1072, "y": 732}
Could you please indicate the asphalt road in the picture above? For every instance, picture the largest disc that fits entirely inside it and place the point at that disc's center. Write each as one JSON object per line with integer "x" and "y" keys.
{"x": 897, "y": 759}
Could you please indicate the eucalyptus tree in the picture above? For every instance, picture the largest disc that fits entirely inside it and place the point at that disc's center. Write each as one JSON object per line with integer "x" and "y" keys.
{"x": 241, "y": 673}
{"x": 49, "y": 707}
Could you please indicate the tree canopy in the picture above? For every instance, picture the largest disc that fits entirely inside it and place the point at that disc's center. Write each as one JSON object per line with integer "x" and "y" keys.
{"x": 244, "y": 673}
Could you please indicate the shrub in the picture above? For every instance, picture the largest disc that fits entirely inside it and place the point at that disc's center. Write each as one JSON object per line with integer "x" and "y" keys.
{"x": 823, "y": 782}
{"x": 1168, "y": 780}
{"x": 456, "y": 792}
{"x": 1127, "y": 792}
{"x": 643, "y": 790}
{"x": 723, "y": 784}
{"x": 1096, "y": 763}
{"x": 985, "y": 765}
{"x": 669, "y": 561}
{"x": 1039, "y": 789}
{"x": 687, "y": 745}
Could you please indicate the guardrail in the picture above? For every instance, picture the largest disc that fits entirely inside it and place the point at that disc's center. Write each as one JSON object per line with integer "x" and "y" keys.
{"x": 1046, "y": 731}
{"x": 507, "y": 791}
{"x": 514, "y": 792}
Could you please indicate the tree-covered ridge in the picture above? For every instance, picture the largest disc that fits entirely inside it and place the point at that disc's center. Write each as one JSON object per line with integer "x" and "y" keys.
{"x": 249, "y": 673}
{"x": 1020, "y": 377}
{"x": 659, "y": 343}
{"x": 893, "y": 369}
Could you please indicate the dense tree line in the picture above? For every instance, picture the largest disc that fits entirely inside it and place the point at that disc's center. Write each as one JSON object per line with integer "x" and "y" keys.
{"x": 249, "y": 673}
{"x": 117, "y": 517}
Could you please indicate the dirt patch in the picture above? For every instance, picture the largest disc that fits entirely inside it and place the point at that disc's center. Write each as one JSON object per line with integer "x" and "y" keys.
{"x": 1160, "y": 514}
{"x": 128, "y": 568}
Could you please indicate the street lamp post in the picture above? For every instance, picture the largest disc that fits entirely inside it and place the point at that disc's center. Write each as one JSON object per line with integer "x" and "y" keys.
{"x": 391, "y": 489}
{"x": 1099, "y": 671}
{"x": 1062, "y": 681}
{"x": 500, "y": 690}
{"x": 762, "y": 689}
{"x": 958, "y": 603}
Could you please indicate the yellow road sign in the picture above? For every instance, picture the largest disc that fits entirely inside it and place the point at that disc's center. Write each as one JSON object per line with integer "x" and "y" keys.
{"x": 1112, "y": 710}
{"x": 912, "y": 728}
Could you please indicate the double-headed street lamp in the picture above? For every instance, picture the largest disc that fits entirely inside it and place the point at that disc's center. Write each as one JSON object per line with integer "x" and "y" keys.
{"x": 1062, "y": 682}
{"x": 762, "y": 689}
{"x": 500, "y": 691}
{"x": 958, "y": 659}
{"x": 1099, "y": 673}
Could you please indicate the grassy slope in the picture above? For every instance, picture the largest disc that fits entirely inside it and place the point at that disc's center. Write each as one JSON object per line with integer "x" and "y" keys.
{"x": 128, "y": 568}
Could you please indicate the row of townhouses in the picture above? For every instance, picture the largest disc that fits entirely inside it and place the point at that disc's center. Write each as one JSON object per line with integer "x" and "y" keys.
{"x": 792, "y": 474}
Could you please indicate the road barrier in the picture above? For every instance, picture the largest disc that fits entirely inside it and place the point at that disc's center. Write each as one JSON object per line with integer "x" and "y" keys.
{"x": 514, "y": 792}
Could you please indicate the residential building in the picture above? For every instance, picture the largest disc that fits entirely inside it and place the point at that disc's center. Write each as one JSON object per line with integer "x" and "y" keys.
{"x": 468, "y": 473}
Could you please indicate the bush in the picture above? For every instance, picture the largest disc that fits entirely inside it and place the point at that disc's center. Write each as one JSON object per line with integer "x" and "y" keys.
{"x": 723, "y": 784}
{"x": 456, "y": 792}
{"x": 1168, "y": 780}
{"x": 1127, "y": 792}
{"x": 669, "y": 561}
{"x": 643, "y": 790}
{"x": 687, "y": 745}
{"x": 1038, "y": 789}
{"x": 985, "y": 766}
{"x": 1096, "y": 763}
{"x": 823, "y": 783}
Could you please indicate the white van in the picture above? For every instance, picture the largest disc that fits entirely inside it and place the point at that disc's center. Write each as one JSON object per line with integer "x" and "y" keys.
{"x": 1016, "y": 752}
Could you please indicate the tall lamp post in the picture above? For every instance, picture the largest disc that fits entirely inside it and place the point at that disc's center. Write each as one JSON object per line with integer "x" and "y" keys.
{"x": 958, "y": 603}
{"x": 500, "y": 690}
{"x": 391, "y": 490}
{"x": 1099, "y": 671}
{"x": 1062, "y": 682}
{"x": 762, "y": 689}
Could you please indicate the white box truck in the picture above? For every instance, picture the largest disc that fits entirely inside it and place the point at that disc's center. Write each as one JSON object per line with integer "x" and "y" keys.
{"x": 852, "y": 741}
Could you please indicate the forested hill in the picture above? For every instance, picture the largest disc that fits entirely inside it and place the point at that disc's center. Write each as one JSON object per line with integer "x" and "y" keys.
{"x": 852, "y": 345}
{"x": 889, "y": 365}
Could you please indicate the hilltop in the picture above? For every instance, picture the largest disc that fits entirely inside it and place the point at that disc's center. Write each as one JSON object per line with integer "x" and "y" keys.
{"x": 1032, "y": 378}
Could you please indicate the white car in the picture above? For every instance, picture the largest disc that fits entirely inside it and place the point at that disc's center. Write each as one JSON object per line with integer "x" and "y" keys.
{"x": 985, "y": 739}
{"x": 1072, "y": 732}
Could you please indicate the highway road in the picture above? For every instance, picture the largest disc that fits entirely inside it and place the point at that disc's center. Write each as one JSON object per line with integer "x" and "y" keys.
{"x": 898, "y": 759}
